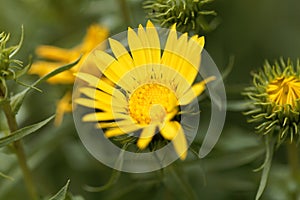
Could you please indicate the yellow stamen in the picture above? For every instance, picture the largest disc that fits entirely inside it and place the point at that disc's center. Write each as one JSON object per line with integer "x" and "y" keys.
{"x": 151, "y": 103}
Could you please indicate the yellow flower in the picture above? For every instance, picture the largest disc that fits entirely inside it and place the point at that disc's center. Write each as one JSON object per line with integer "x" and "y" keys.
{"x": 57, "y": 57}
{"x": 276, "y": 100}
{"x": 149, "y": 86}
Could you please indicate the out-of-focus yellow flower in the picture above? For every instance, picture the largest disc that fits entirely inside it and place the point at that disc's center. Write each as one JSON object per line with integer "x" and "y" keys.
{"x": 150, "y": 85}
{"x": 56, "y": 57}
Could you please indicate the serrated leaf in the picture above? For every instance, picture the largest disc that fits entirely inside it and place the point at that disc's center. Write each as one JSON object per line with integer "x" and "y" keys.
{"x": 17, "y": 100}
{"x": 17, "y": 135}
{"x": 62, "y": 193}
{"x": 266, "y": 167}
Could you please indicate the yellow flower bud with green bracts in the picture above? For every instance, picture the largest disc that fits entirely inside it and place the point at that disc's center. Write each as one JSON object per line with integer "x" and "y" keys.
{"x": 275, "y": 96}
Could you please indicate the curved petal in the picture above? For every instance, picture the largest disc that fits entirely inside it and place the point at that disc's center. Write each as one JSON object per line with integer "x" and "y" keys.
{"x": 146, "y": 136}
{"x": 102, "y": 116}
{"x": 96, "y": 82}
{"x": 121, "y": 54}
{"x": 122, "y": 130}
{"x": 172, "y": 130}
{"x": 110, "y": 67}
{"x": 195, "y": 91}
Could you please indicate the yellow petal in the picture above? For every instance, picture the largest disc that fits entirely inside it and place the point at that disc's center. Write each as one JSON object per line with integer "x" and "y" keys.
{"x": 146, "y": 136}
{"x": 102, "y": 116}
{"x": 42, "y": 68}
{"x": 90, "y": 79}
{"x": 169, "y": 130}
{"x": 121, "y": 54}
{"x": 63, "y": 106}
{"x": 179, "y": 142}
{"x": 122, "y": 130}
{"x": 57, "y": 54}
{"x": 146, "y": 46}
{"x": 154, "y": 42}
{"x": 121, "y": 123}
{"x": 193, "y": 59}
{"x": 96, "y": 82}
{"x": 172, "y": 130}
{"x": 104, "y": 97}
{"x": 111, "y": 68}
{"x": 195, "y": 91}
{"x": 167, "y": 57}
{"x": 94, "y": 36}
{"x": 93, "y": 104}
{"x": 136, "y": 48}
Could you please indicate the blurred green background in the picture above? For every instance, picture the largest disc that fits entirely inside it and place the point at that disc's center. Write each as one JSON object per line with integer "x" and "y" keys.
{"x": 250, "y": 30}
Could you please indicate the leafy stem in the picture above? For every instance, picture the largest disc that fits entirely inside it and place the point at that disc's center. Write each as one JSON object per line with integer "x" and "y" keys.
{"x": 17, "y": 146}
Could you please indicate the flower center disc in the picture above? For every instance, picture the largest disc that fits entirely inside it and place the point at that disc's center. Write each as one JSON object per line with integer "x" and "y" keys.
{"x": 284, "y": 91}
{"x": 151, "y": 103}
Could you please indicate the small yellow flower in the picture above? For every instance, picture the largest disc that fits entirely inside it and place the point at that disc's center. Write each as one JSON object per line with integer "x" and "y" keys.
{"x": 276, "y": 97}
{"x": 149, "y": 86}
{"x": 284, "y": 90}
{"x": 57, "y": 57}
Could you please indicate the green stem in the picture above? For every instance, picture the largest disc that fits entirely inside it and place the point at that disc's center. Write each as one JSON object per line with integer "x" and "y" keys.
{"x": 18, "y": 147}
{"x": 125, "y": 13}
{"x": 293, "y": 159}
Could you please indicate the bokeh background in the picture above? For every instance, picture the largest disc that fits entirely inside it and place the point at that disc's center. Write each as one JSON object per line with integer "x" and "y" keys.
{"x": 250, "y": 30}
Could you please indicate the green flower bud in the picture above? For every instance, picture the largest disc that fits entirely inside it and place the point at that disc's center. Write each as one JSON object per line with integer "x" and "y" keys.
{"x": 189, "y": 15}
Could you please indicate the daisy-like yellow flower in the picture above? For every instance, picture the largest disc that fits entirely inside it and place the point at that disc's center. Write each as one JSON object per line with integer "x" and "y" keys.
{"x": 56, "y": 57}
{"x": 145, "y": 86}
{"x": 276, "y": 96}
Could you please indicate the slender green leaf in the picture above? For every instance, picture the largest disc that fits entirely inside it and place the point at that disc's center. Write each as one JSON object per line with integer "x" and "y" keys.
{"x": 72, "y": 197}
{"x": 6, "y": 176}
{"x": 17, "y": 47}
{"x": 62, "y": 193}
{"x": 56, "y": 71}
{"x": 233, "y": 159}
{"x": 266, "y": 167}
{"x": 115, "y": 174}
{"x": 17, "y": 135}
{"x": 182, "y": 182}
{"x": 24, "y": 70}
{"x": 17, "y": 100}
{"x": 239, "y": 105}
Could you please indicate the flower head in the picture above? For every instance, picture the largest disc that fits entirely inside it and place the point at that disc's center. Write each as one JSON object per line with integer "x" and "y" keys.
{"x": 57, "y": 57}
{"x": 276, "y": 96}
{"x": 144, "y": 86}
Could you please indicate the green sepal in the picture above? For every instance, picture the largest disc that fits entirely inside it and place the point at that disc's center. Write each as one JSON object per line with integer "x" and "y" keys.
{"x": 19, "y": 134}
{"x": 17, "y": 47}
{"x": 24, "y": 70}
